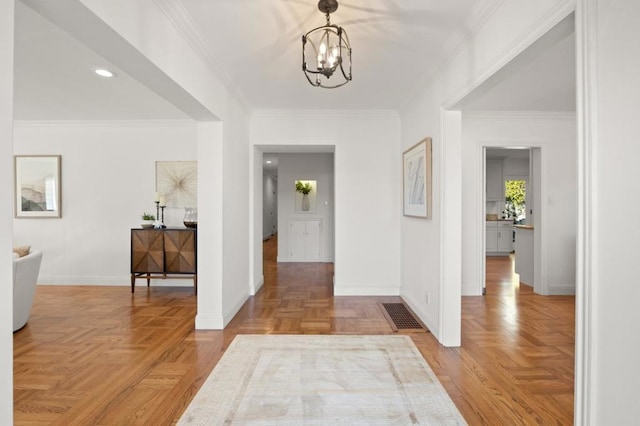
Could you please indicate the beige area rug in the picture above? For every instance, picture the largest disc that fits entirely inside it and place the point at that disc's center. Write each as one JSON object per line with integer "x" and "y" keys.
{"x": 319, "y": 380}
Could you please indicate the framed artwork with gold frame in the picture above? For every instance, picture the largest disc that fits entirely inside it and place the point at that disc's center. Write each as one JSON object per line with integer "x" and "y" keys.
{"x": 416, "y": 180}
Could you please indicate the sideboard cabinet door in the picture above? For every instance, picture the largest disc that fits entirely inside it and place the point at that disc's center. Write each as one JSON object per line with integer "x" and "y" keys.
{"x": 147, "y": 250}
{"x": 180, "y": 251}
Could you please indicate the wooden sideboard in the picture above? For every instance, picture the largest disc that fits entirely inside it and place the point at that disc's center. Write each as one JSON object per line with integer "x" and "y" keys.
{"x": 164, "y": 253}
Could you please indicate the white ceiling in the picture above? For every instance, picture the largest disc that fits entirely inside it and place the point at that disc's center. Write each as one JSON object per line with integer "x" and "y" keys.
{"x": 542, "y": 78}
{"x": 256, "y": 46}
{"x": 396, "y": 44}
{"x": 54, "y": 79}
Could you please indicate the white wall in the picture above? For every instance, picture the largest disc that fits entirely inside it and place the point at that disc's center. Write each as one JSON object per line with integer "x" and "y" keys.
{"x": 236, "y": 218}
{"x": 431, "y": 251}
{"x": 513, "y": 166}
{"x": 421, "y": 255}
{"x": 608, "y": 312}
{"x": 6, "y": 211}
{"x": 108, "y": 180}
{"x": 160, "y": 55}
{"x": 367, "y": 189}
{"x": 293, "y": 167}
{"x": 555, "y": 134}
{"x": 270, "y": 205}
{"x": 256, "y": 224}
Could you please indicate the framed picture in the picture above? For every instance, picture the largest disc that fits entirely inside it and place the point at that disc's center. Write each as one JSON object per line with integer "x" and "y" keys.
{"x": 416, "y": 169}
{"x": 177, "y": 181}
{"x": 37, "y": 190}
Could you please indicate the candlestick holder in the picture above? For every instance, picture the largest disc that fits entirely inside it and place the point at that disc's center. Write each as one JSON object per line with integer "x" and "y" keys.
{"x": 159, "y": 223}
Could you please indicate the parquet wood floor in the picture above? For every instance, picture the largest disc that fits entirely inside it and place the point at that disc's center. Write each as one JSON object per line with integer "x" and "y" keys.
{"x": 104, "y": 356}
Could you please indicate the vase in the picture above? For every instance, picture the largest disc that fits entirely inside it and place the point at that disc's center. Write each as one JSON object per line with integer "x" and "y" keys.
{"x": 305, "y": 202}
{"x": 190, "y": 219}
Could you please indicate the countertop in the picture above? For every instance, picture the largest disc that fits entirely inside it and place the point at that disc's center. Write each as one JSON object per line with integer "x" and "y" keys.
{"x": 523, "y": 227}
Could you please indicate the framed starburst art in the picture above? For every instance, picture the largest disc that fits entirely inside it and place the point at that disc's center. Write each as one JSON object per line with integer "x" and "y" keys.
{"x": 177, "y": 181}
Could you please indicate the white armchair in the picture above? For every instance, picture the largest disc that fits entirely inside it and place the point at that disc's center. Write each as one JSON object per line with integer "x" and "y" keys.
{"x": 25, "y": 277}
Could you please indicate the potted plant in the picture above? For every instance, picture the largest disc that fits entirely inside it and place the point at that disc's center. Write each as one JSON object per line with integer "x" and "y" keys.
{"x": 304, "y": 188}
{"x": 148, "y": 220}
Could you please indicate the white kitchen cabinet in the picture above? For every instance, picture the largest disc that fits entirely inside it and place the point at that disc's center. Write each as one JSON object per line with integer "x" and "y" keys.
{"x": 505, "y": 237}
{"x": 524, "y": 254}
{"x": 491, "y": 229}
{"x": 304, "y": 240}
{"x": 494, "y": 180}
{"x": 499, "y": 237}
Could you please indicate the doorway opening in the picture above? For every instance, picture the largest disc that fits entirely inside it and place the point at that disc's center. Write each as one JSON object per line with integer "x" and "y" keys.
{"x": 269, "y": 196}
{"x": 510, "y": 176}
{"x": 294, "y": 213}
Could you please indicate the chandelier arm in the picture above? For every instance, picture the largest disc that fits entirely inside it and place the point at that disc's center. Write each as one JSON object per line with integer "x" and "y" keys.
{"x": 311, "y": 82}
{"x": 333, "y": 87}
{"x": 346, "y": 77}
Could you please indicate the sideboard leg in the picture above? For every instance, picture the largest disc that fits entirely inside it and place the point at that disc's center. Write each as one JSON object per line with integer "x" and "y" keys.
{"x": 195, "y": 284}
{"x": 133, "y": 283}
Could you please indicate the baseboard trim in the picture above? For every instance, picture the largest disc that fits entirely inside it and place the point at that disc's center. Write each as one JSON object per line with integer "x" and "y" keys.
{"x": 471, "y": 291}
{"x": 226, "y": 319}
{"x": 339, "y": 290}
{"x": 561, "y": 290}
{"x": 209, "y": 322}
{"x": 422, "y": 316}
{"x": 124, "y": 281}
{"x": 497, "y": 253}
{"x": 258, "y": 286}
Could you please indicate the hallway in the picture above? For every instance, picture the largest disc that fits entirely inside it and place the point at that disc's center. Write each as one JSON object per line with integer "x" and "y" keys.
{"x": 297, "y": 298}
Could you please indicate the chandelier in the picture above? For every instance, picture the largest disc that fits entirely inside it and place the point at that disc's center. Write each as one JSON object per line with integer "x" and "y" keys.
{"x": 328, "y": 50}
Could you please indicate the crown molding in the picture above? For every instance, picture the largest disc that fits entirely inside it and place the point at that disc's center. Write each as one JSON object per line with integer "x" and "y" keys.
{"x": 479, "y": 15}
{"x": 104, "y": 123}
{"x": 519, "y": 115}
{"x": 182, "y": 20}
{"x": 326, "y": 113}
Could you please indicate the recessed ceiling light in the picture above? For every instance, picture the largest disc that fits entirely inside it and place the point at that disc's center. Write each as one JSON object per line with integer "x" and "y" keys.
{"x": 102, "y": 72}
{"x": 268, "y": 161}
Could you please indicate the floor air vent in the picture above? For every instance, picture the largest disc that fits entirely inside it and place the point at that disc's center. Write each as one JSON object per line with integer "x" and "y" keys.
{"x": 401, "y": 318}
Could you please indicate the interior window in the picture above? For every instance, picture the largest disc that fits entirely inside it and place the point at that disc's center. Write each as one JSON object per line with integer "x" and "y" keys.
{"x": 514, "y": 198}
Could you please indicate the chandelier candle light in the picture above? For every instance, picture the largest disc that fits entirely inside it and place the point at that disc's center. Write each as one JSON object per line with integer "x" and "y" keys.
{"x": 328, "y": 50}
